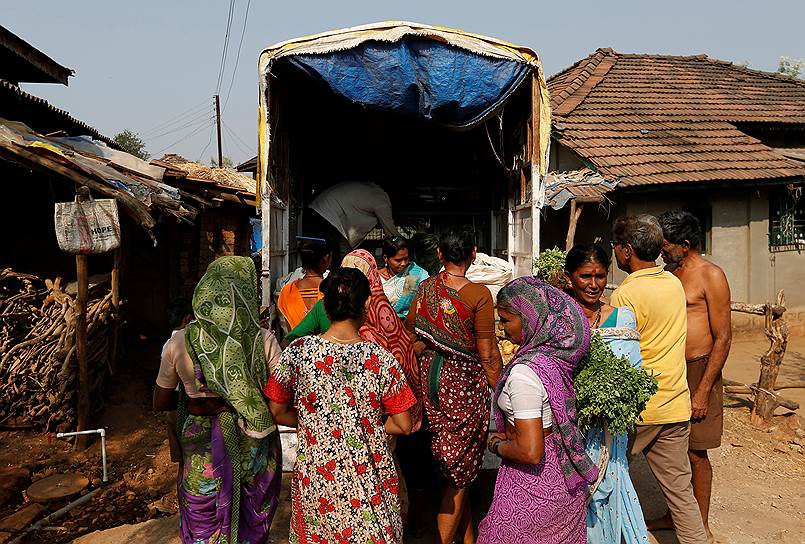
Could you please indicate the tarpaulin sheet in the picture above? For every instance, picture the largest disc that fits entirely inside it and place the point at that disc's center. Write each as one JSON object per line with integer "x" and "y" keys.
{"x": 418, "y": 77}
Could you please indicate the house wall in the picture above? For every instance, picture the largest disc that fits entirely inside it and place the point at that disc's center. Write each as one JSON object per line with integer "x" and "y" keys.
{"x": 738, "y": 241}
{"x": 221, "y": 231}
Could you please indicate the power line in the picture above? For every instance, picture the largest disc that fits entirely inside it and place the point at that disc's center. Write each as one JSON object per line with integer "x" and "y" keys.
{"x": 240, "y": 147}
{"x": 180, "y": 140}
{"x": 221, "y": 70}
{"x": 177, "y": 122}
{"x": 171, "y": 120}
{"x": 237, "y": 57}
{"x": 241, "y": 144}
{"x": 212, "y": 131}
{"x": 192, "y": 122}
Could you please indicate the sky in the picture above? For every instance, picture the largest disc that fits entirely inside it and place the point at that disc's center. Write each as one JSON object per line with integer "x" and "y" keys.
{"x": 153, "y": 67}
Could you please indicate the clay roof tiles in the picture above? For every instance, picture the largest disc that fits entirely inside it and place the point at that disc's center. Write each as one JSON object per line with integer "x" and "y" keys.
{"x": 653, "y": 119}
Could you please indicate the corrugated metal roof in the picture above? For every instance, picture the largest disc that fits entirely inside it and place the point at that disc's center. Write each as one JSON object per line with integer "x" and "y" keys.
{"x": 138, "y": 193}
{"x": 583, "y": 185}
{"x": 58, "y": 119}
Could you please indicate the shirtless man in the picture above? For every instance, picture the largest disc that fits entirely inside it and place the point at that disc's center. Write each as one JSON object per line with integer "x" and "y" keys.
{"x": 706, "y": 349}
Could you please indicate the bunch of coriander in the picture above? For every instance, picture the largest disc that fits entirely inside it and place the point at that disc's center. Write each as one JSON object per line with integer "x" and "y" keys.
{"x": 610, "y": 393}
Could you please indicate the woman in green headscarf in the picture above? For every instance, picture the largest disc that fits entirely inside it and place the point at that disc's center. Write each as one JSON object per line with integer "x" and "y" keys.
{"x": 230, "y": 477}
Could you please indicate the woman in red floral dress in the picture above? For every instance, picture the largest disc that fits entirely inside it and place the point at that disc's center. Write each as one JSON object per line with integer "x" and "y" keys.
{"x": 345, "y": 396}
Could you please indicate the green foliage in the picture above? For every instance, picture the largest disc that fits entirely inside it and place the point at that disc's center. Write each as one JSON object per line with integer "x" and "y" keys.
{"x": 609, "y": 391}
{"x": 550, "y": 267}
{"x": 228, "y": 163}
{"x": 130, "y": 142}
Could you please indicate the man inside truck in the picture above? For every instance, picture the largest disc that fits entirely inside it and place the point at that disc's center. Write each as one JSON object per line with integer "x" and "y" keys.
{"x": 352, "y": 209}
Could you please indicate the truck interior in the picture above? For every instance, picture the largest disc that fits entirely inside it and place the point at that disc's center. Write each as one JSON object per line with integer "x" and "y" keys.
{"x": 436, "y": 176}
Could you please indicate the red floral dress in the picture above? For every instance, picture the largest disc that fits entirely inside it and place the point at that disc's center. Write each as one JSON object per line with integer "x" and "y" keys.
{"x": 344, "y": 486}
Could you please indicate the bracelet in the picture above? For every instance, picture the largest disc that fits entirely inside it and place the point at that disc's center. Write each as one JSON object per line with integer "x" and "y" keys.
{"x": 495, "y": 446}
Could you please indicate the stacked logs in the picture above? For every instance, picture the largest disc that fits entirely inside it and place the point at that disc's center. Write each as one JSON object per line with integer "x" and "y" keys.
{"x": 38, "y": 366}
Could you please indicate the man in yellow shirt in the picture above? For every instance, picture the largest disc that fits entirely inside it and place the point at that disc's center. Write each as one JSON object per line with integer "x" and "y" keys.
{"x": 658, "y": 301}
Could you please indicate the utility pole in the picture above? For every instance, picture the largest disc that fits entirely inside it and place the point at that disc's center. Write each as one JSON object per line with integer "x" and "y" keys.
{"x": 218, "y": 124}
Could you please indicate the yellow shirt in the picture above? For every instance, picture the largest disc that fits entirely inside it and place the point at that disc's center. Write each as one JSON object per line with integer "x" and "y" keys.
{"x": 658, "y": 301}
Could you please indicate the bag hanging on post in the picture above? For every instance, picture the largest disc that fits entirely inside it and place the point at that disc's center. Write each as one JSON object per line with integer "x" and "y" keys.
{"x": 86, "y": 227}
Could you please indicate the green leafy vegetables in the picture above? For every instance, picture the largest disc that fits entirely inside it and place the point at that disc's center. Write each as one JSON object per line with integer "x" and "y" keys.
{"x": 609, "y": 391}
{"x": 550, "y": 266}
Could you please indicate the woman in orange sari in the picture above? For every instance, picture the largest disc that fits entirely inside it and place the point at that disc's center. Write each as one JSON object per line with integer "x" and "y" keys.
{"x": 298, "y": 297}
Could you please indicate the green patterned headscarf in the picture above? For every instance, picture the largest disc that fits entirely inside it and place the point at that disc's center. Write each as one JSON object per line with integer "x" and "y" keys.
{"x": 225, "y": 340}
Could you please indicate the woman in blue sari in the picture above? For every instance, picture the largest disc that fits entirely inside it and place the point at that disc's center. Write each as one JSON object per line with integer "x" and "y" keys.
{"x": 401, "y": 276}
{"x": 613, "y": 511}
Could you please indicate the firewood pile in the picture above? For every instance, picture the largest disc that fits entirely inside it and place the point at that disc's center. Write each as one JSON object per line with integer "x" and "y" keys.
{"x": 38, "y": 365}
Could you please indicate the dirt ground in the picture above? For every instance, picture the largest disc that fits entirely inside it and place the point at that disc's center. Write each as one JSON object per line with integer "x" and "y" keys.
{"x": 759, "y": 490}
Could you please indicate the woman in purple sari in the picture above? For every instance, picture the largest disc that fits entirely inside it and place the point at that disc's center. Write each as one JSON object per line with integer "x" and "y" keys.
{"x": 229, "y": 477}
{"x": 542, "y": 482}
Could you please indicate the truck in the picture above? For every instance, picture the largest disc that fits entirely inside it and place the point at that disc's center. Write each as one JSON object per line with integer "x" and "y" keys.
{"x": 454, "y": 126}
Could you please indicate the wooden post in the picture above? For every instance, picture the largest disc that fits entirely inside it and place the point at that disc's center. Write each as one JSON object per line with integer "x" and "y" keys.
{"x": 82, "y": 275}
{"x": 766, "y": 399}
{"x": 575, "y": 213}
{"x": 115, "y": 308}
{"x": 536, "y": 163}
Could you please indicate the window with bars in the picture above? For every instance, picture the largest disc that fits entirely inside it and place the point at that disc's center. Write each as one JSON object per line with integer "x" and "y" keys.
{"x": 786, "y": 219}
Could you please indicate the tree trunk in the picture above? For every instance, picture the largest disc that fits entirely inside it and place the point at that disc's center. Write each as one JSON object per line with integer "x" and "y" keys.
{"x": 766, "y": 400}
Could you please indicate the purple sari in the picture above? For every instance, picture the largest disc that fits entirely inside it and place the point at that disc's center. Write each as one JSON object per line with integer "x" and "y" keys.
{"x": 230, "y": 480}
{"x": 208, "y": 479}
{"x": 544, "y": 503}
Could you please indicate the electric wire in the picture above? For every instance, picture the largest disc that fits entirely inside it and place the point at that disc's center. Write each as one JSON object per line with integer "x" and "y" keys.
{"x": 222, "y": 69}
{"x": 240, "y": 143}
{"x": 180, "y": 140}
{"x": 200, "y": 155}
{"x": 239, "y": 146}
{"x": 190, "y": 111}
{"x": 237, "y": 57}
{"x": 191, "y": 122}
{"x": 167, "y": 129}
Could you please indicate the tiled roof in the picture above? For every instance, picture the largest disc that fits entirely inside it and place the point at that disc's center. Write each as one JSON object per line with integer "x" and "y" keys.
{"x": 653, "y": 119}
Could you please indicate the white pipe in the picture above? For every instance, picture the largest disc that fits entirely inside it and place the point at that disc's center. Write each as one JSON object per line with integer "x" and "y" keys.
{"x": 101, "y": 432}
{"x": 55, "y": 515}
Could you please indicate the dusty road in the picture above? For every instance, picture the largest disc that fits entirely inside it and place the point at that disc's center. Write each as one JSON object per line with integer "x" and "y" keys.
{"x": 759, "y": 493}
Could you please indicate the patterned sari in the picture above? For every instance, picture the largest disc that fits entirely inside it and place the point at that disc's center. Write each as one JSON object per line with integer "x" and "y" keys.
{"x": 544, "y": 503}
{"x": 384, "y": 328}
{"x": 229, "y": 486}
{"x": 454, "y": 386}
{"x": 345, "y": 486}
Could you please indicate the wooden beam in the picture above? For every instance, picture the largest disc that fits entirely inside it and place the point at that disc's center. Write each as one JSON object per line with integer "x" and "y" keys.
{"x": 756, "y": 309}
{"x": 575, "y": 213}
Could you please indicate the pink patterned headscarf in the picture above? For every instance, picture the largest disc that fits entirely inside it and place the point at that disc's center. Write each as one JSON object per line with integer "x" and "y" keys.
{"x": 556, "y": 336}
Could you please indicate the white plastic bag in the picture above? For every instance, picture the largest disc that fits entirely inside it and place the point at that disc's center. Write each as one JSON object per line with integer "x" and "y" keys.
{"x": 493, "y": 272}
{"x": 91, "y": 226}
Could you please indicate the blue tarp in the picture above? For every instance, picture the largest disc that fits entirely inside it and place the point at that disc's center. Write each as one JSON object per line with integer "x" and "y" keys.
{"x": 418, "y": 77}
